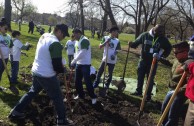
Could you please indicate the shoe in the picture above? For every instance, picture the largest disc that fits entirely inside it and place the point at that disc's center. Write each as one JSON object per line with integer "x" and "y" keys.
{"x": 2, "y": 88}
{"x": 95, "y": 85}
{"x": 14, "y": 90}
{"x": 94, "y": 100}
{"x": 16, "y": 115}
{"x": 78, "y": 97}
{"x": 148, "y": 98}
{"x": 136, "y": 94}
{"x": 66, "y": 122}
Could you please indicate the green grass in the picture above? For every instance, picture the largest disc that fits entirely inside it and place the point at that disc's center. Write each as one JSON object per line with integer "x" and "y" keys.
{"x": 8, "y": 100}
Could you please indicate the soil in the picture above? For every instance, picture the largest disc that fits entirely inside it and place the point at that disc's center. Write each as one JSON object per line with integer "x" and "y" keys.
{"x": 112, "y": 110}
{"x": 116, "y": 109}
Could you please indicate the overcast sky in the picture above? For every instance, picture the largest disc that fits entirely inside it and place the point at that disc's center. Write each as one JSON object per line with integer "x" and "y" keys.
{"x": 48, "y": 6}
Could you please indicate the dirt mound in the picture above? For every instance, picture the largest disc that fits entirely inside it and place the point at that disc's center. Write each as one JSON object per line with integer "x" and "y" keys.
{"x": 112, "y": 110}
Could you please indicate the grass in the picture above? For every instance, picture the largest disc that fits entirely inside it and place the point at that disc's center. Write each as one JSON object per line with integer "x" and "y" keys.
{"x": 8, "y": 100}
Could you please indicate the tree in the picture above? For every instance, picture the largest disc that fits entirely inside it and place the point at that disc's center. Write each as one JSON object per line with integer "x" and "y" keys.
{"x": 7, "y": 13}
{"x": 24, "y": 8}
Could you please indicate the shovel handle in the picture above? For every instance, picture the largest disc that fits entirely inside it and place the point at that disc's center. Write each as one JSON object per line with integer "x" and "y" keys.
{"x": 105, "y": 64}
{"x": 172, "y": 98}
{"x": 2, "y": 57}
{"x": 148, "y": 83}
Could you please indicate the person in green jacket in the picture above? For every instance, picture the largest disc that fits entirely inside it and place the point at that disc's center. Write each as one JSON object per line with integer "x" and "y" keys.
{"x": 153, "y": 41}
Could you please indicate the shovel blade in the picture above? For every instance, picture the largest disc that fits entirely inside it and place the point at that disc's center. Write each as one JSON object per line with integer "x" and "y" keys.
{"x": 102, "y": 92}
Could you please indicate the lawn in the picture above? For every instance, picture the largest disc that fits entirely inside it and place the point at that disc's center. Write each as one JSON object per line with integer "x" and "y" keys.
{"x": 8, "y": 100}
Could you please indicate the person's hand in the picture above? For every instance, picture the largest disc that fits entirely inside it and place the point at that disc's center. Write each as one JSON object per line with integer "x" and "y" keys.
{"x": 156, "y": 55}
{"x": 73, "y": 64}
{"x": 130, "y": 43}
{"x": 112, "y": 57}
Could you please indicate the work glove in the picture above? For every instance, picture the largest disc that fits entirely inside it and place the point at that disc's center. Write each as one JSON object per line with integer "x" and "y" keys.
{"x": 112, "y": 57}
{"x": 103, "y": 44}
{"x": 73, "y": 64}
{"x": 156, "y": 55}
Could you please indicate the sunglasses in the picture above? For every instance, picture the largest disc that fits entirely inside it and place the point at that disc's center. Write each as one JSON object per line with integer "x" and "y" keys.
{"x": 179, "y": 52}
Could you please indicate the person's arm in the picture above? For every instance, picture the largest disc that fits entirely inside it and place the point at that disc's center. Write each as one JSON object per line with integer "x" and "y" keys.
{"x": 84, "y": 48}
{"x": 56, "y": 57}
{"x": 103, "y": 42}
{"x": 118, "y": 48}
{"x": 137, "y": 42}
{"x": 167, "y": 48}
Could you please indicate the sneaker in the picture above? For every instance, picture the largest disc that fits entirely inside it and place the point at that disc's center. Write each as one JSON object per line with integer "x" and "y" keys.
{"x": 95, "y": 85}
{"x": 16, "y": 115}
{"x": 78, "y": 97}
{"x": 94, "y": 100}
{"x": 136, "y": 94}
{"x": 2, "y": 88}
{"x": 66, "y": 122}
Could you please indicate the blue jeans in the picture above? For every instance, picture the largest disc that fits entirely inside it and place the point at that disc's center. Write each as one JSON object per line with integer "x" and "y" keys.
{"x": 100, "y": 72}
{"x": 83, "y": 71}
{"x": 2, "y": 68}
{"x": 51, "y": 86}
{"x": 172, "y": 117}
{"x": 144, "y": 69}
{"x": 14, "y": 71}
{"x": 70, "y": 58}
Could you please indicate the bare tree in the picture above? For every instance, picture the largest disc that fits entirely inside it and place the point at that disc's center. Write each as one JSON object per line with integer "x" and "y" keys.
{"x": 185, "y": 7}
{"x": 144, "y": 12}
{"x": 106, "y": 6}
{"x": 7, "y": 13}
{"x": 24, "y": 7}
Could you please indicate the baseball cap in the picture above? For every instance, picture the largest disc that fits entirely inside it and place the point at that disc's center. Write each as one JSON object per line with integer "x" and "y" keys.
{"x": 183, "y": 44}
{"x": 63, "y": 28}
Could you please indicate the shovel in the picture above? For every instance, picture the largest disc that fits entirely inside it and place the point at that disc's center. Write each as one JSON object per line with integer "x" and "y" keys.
{"x": 121, "y": 84}
{"x": 172, "y": 99}
{"x": 102, "y": 92}
{"x": 67, "y": 86}
{"x": 12, "y": 88}
{"x": 145, "y": 92}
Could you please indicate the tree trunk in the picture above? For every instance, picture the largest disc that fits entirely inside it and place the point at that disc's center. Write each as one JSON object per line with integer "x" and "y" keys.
{"x": 7, "y": 13}
{"x": 104, "y": 23}
{"x": 82, "y": 15}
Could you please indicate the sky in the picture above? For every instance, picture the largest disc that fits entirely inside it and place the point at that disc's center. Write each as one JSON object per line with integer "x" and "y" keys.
{"x": 48, "y": 6}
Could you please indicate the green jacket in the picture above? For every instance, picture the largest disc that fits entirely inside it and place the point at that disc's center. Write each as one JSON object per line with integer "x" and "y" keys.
{"x": 149, "y": 42}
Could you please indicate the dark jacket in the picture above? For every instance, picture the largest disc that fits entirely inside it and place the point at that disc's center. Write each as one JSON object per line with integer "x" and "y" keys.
{"x": 149, "y": 42}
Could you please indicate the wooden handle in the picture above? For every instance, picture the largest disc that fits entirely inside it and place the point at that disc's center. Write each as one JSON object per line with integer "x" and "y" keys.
{"x": 148, "y": 83}
{"x": 172, "y": 99}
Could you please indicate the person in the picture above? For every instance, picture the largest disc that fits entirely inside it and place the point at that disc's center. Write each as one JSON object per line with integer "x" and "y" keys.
{"x": 5, "y": 47}
{"x": 31, "y": 27}
{"x": 82, "y": 59}
{"x": 189, "y": 93}
{"x": 70, "y": 47}
{"x": 153, "y": 41}
{"x": 180, "y": 50}
{"x": 15, "y": 55}
{"x": 47, "y": 64}
{"x": 50, "y": 29}
{"x": 111, "y": 46}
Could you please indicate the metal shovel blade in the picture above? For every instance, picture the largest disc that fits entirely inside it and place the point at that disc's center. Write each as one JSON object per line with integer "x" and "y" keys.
{"x": 102, "y": 92}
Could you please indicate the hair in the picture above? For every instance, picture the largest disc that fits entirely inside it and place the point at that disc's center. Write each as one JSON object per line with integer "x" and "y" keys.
{"x": 63, "y": 28}
{"x": 15, "y": 33}
{"x": 114, "y": 28}
{"x": 77, "y": 30}
{"x": 3, "y": 22}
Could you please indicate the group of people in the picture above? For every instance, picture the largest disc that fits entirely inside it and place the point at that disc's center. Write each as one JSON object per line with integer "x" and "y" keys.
{"x": 48, "y": 63}
{"x": 10, "y": 49}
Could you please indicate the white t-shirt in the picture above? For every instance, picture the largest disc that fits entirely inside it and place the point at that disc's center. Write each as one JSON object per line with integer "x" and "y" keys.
{"x": 70, "y": 47}
{"x": 16, "y": 50}
{"x": 4, "y": 45}
{"x": 113, "y": 45}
